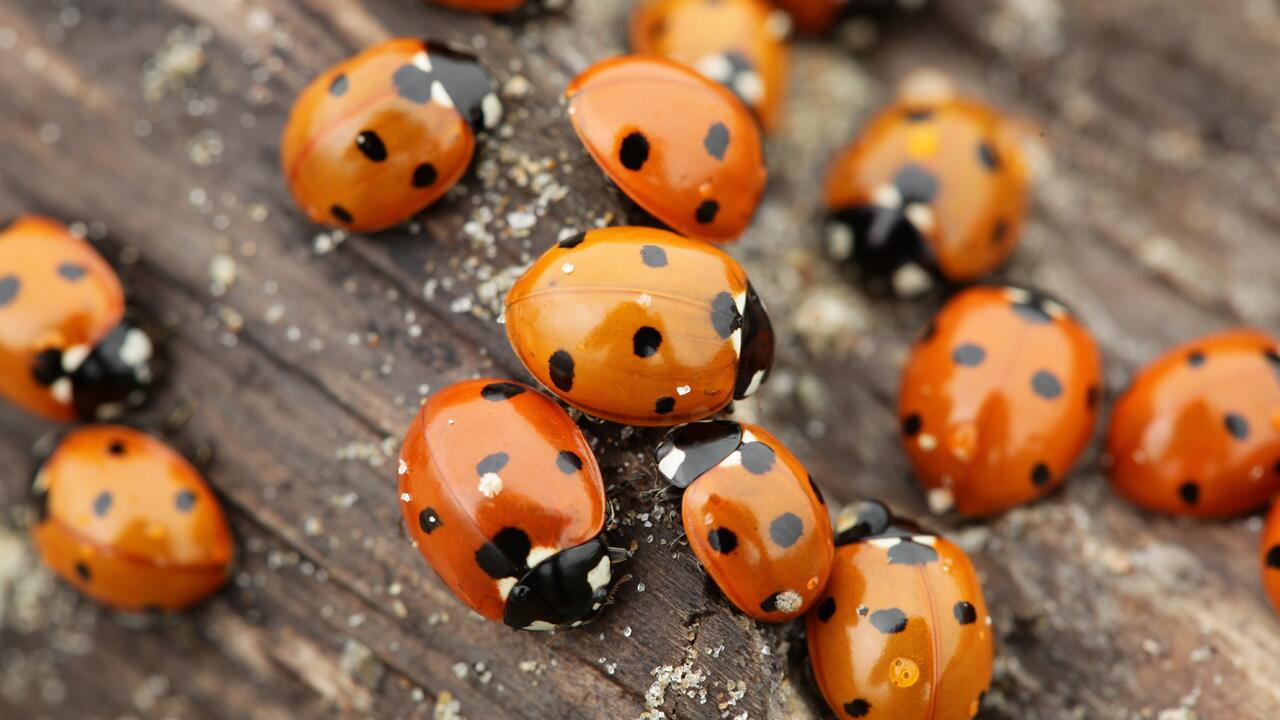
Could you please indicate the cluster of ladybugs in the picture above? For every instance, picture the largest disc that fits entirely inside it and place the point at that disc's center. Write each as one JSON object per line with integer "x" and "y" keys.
{"x": 638, "y": 325}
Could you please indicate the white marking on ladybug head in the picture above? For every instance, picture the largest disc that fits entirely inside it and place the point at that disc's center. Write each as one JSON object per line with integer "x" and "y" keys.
{"x": 423, "y": 61}
{"x": 601, "y": 574}
{"x": 749, "y": 87}
{"x": 839, "y": 240}
{"x": 888, "y": 196}
{"x": 538, "y": 554}
{"x": 670, "y": 465}
{"x": 754, "y": 385}
{"x": 884, "y": 543}
{"x": 930, "y": 540}
{"x": 491, "y": 107}
{"x": 733, "y": 460}
{"x": 717, "y": 67}
{"x": 136, "y": 350}
{"x": 73, "y": 357}
{"x": 1054, "y": 308}
{"x": 748, "y": 436}
{"x": 111, "y": 411}
{"x": 921, "y": 216}
{"x": 911, "y": 280}
{"x": 61, "y": 390}
{"x": 541, "y": 626}
{"x": 490, "y": 485}
{"x": 504, "y": 586}
{"x": 1017, "y": 295}
{"x": 440, "y": 95}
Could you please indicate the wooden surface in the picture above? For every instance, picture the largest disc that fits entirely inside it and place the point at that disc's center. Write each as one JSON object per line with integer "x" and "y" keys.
{"x": 155, "y": 124}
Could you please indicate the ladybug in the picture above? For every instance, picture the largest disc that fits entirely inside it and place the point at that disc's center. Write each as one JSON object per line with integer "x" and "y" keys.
{"x": 998, "y": 399}
{"x": 902, "y": 631}
{"x": 678, "y": 144}
{"x": 740, "y": 44}
{"x": 511, "y": 521}
{"x": 640, "y": 326}
{"x": 67, "y": 348}
{"x": 753, "y": 515}
{"x": 379, "y": 137}
{"x": 935, "y": 187}
{"x": 129, "y": 522}
{"x": 1271, "y": 555}
{"x": 496, "y": 6}
{"x": 1198, "y": 431}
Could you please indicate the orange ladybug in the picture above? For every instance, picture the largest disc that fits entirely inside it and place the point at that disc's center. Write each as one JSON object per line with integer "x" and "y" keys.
{"x": 753, "y": 516}
{"x": 1271, "y": 553}
{"x": 640, "y": 326}
{"x": 379, "y": 137}
{"x": 936, "y": 186}
{"x": 1198, "y": 431}
{"x": 998, "y": 399}
{"x": 67, "y": 349}
{"x": 740, "y": 44}
{"x": 126, "y": 520}
{"x": 678, "y": 144}
{"x": 902, "y": 632}
{"x": 504, "y": 499}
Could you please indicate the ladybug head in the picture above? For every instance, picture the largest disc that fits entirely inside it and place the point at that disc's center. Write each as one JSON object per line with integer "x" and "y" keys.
{"x": 690, "y": 450}
{"x": 872, "y": 519}
{"x": 104, "y": 380}
{"x": 567, "y": 589}
{"x": 755, "y": 355}
{"x": 446, "y": 75}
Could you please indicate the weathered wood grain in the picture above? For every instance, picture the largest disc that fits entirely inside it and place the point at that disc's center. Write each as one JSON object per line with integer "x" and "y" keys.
{"x": 1156, "y": 218}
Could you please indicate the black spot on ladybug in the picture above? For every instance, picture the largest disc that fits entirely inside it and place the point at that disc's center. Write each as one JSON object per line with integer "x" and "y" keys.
{"x": 1237, "y": 426}
{"x": 500, "y": 391}
{"x": 722, "y": 540}
{"x": 969, "y": 355}
{"x": 757, "y": 457}
{"x": 1273, "y": 557}
{"x": 634, "y": 151}
{"x": 1093, "y": 397}
{"x": 425, "y": 175}
{"x": 858, "y": 708}
{"x": 185, "y": 500}
{"x": 572, "y": 241}
{"x": 1046, "y": 384}
{"x": 102, "y": 504}
{"x": 72, "y": 271}
{"x": 664, "y": 405}
{"x": 826, "y": 609}
{"x": 1189, "y": 491}
{"x": 910, "y": 552}
{"x": 770, "y": 604}
{"x": 413, "y": 83}
{"x": 1032, "y": 312}
{"x": 707, "y": 211}
{"x": 1195, "y": 358}
{"x": 9, "y": 286}
{"x": 568, "y": 462}
{"x": 988, "y": 156}
{"x": 890, "y": 622}
{"x": 429, "y": 520}
{"x": 817, "y": 491}
{"x": 83, "y": 571}
{"x": 916, "y": 185}
{"x": 725, "y": 317}
{"x": 116, "y": 447}
{"x": 340, "y": 85}
{"x": 646, "y": 341}
{"x": 371, "y": 145}
{"x": 492, "y": 463}
{"x": 911, "y": 425}
{"x": 1040, "y": 475}
{"x": 916, "y": 115}
{"x": 653, "y": 256}
{"x": 786, "y": 529}
{"x": 717, "y": 140}
{"x": 505, "y": 555}
{"x": 965, "y": 613}
{"x": 341, "y": 214}
{"x": 999, "y": 232}
{"x": 561, "y": 367}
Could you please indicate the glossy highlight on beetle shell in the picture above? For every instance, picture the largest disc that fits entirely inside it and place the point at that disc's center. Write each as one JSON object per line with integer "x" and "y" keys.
{"x": 386, "y": 133}
{"x": 934, "y": 186}
{"x": 1198, "y": 430}
{"x": 680, "y": 145}
{"x": 753, "y": 516}
{"x": 67, "y": 349}
{"x": 129, "y": 522}
{"x": 740, "y": 44}
{"x": 640, "y": 326}
{"x": 998, "y": 399}
{"x": 902, "y": 630}
{"x": 503, "y": 496}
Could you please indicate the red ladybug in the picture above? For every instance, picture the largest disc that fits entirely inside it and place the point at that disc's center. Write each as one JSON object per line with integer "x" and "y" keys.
{"x": 681, "y": 146}
{"x": 998, "y": 399}
{"x": 381, "y": 136}
{"x": 67, "y": 349}
{"x": 936, "y": 186}
{"x": 902, "y": 632}
{"x": 1198, "y": 431}
{"x": 753, "y": 515}
{"x": 640, "y": 326}
{"x": 1271, "y": 554}
{"x": 504, "y": 499}
{"x": 128, "y": 522}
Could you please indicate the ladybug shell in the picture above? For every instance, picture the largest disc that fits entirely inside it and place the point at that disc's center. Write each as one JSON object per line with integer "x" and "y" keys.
{"x": 681, "y": 146}
{"x": 941, "y": 184}
{"x": 129, "y": 522}
{"x": 753, "y": 516}
{"x": 1271, "y": 556}
{"x": 640, "y": 326}
{"x": 384, "y": 134}
{"x": 62, "y": 324}
{"x": 998, "y": 399}
{"x": 490, "y": 510}
{"x": 740, "y": 44}
{"x": 1198, "y": 431}
{"x": 902, "y": 631}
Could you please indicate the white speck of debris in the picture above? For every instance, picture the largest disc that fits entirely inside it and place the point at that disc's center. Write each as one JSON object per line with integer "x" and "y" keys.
{"x": 404, "y": 467}
{"x": 644, "y": 299}
{"x": 788, "y": 601}
{"x": 684, "y": 390}
{"x": 941, "y": 500}
{"x": 490, "y": 485}
{"x": 567, "y": 268}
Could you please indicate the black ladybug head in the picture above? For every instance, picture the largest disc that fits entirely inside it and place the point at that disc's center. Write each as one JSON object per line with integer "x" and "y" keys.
{"x": 104, "y": 380}
{"x": 567, "y": 589}
{"x": 755, "y": 354}
{"x": 690, "y": 450}
{"x": 450, "y": 76}
{"x": 870, "y": 520}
